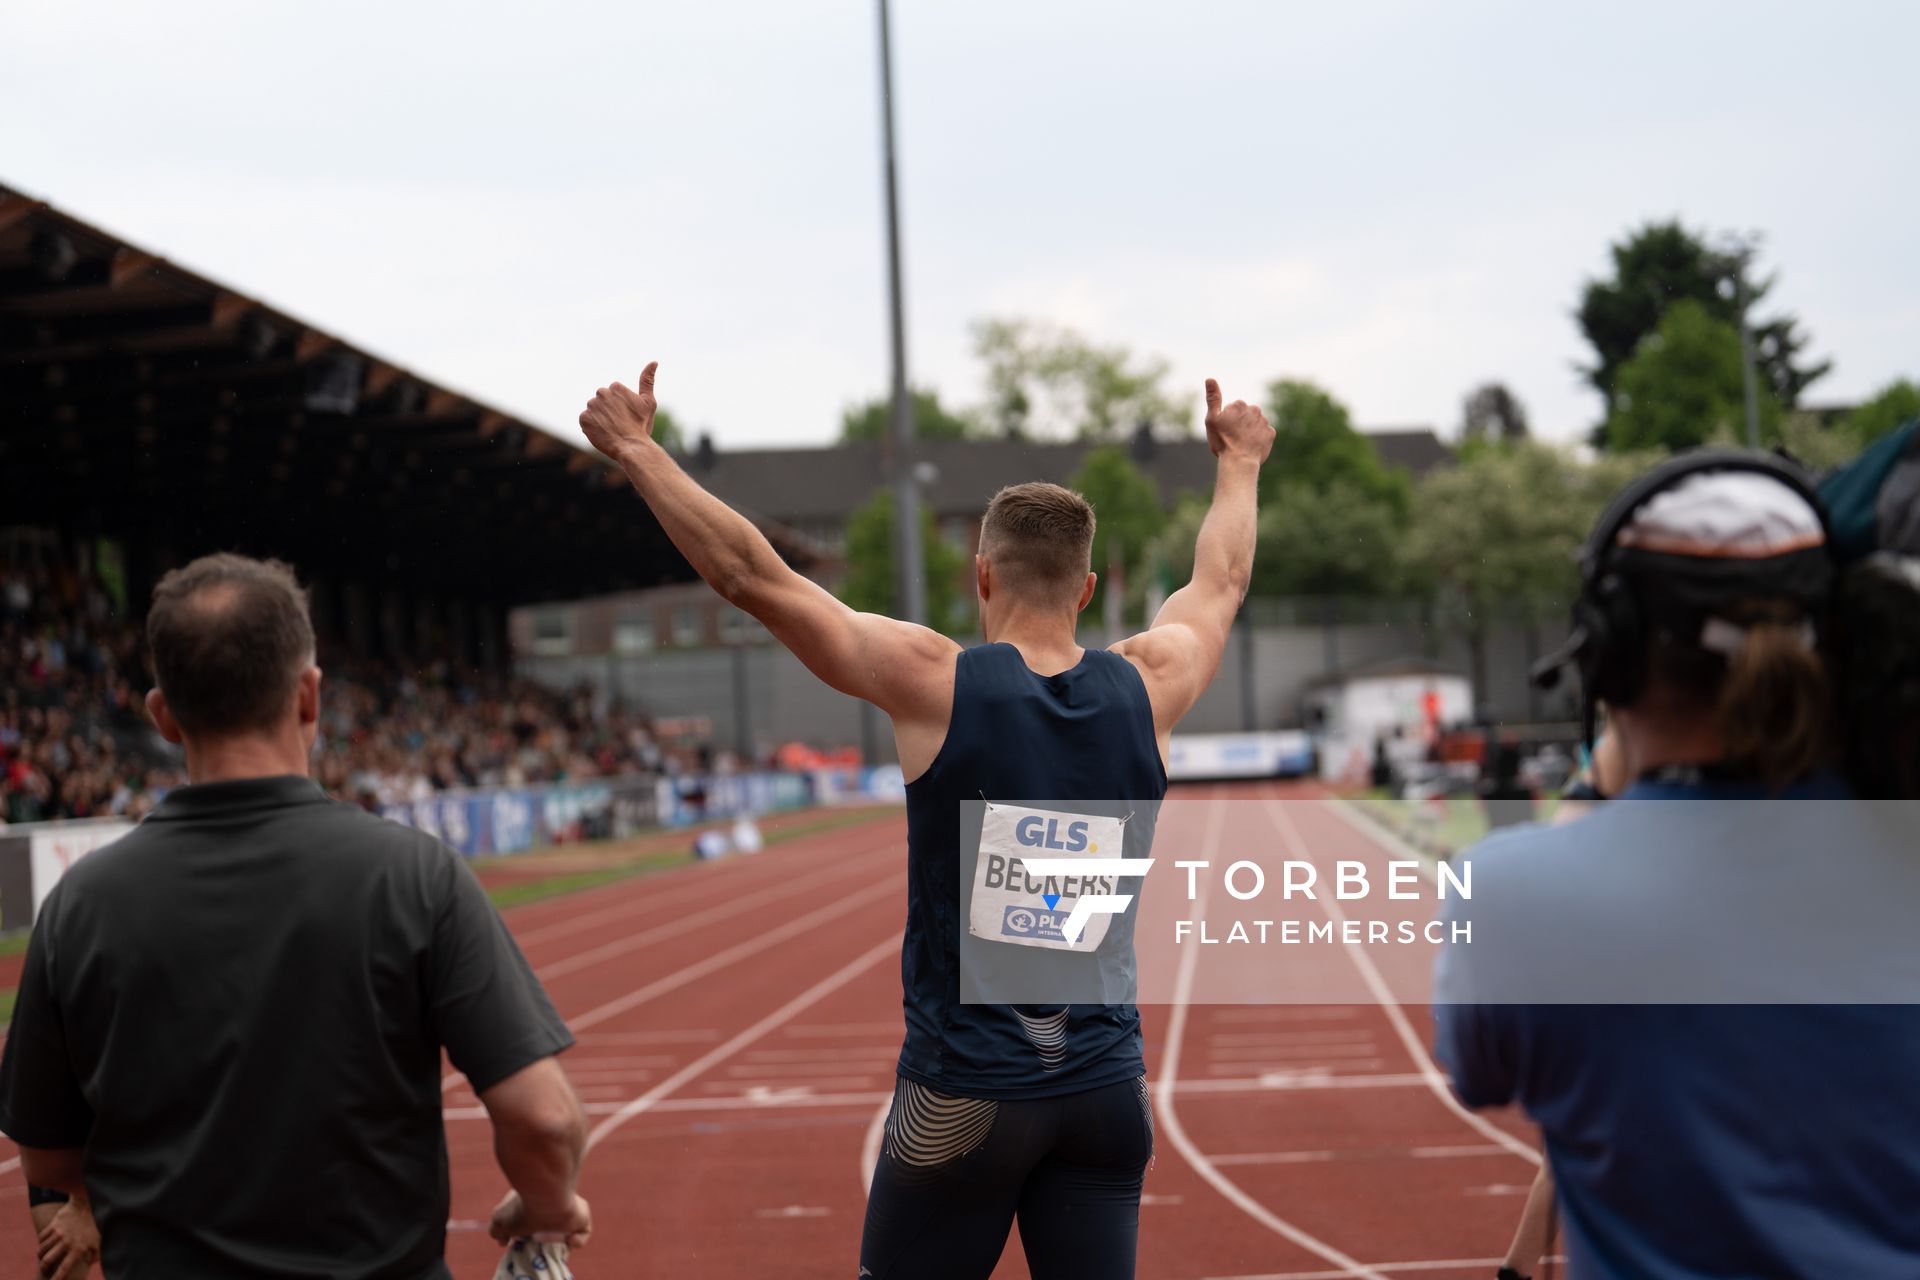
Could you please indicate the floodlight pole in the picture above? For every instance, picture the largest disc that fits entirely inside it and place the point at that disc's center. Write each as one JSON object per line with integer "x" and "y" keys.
{"x": 911, "y": 591}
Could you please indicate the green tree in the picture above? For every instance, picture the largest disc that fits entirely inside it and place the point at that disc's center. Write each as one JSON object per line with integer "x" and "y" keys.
{"x": 1491, "y": 413}
{"x": 1315, "y": 445}
{"x": 1658, "y": 267}
{"x": 666, "y": 430}
{"x": 870, "y": 584}
{"x": 1046, "y": 381}
{"x": 1683, "y": 385}
{"x": 1127, "y": 514}
{"x": 1807, "y": 438}
{"x": 1497, "y": 534}
{"x": 873, "y": 420}
{"x": 1895, "y": 405}
{"x": 1331, "y": 541}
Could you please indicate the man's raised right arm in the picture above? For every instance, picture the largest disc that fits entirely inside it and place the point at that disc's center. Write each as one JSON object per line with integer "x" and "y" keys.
{"x": 904, "y": 669}
{"x": 1180, "y": 652}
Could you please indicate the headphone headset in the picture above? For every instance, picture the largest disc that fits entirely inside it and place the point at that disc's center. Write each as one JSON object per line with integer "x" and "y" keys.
{"x": 1609, "y": 638}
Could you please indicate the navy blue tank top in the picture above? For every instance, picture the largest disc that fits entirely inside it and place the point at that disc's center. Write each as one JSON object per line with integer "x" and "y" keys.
{"x": 1015, "y": 737}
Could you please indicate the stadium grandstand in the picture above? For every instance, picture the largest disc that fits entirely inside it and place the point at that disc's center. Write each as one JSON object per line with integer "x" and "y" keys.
{"x": 152, "y": 415}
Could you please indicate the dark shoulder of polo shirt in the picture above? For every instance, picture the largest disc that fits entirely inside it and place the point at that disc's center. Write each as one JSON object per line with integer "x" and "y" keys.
{"x": 310, "y": 889}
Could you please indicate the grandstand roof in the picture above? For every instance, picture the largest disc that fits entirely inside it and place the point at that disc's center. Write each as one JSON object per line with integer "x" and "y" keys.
{"x": 143, "y": 401}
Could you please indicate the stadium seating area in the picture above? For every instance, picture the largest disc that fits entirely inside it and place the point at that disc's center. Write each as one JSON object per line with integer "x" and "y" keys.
{"x": 75, "y": 741}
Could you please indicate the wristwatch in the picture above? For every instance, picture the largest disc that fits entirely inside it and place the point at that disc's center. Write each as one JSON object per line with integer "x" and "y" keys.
{"x": 1508, "y": 1273}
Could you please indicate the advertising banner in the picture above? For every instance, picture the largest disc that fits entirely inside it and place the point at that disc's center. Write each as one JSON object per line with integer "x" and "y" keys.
{"x": 1278, "y": 754}
{"x": 695, "y": 798}
{"x": 52, "y": 849}
{"x": 859, "y": 784}
{"x": 490, "y": 821}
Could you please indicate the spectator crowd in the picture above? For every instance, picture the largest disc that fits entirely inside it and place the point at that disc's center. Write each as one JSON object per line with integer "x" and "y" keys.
{"x": 75, "y": 741}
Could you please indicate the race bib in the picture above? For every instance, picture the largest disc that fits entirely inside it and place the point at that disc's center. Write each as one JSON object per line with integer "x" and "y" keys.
{"x": 1010, "y": 904}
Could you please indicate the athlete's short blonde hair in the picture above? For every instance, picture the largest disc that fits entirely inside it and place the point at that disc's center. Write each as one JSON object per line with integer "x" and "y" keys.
{"x": 1039, "y": 538}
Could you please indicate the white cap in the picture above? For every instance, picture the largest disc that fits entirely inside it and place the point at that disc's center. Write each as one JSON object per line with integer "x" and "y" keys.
{"x": 1736, "y": 515}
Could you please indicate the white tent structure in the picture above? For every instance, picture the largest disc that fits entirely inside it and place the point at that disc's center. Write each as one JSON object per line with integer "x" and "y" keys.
{"x": 1353, "y": 709}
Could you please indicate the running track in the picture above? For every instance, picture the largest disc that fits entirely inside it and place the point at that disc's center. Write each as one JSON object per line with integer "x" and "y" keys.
{"x": 737, "y": 1027}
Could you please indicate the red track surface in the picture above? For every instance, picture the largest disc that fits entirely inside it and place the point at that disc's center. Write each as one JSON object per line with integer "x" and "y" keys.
{"x": 737, "y": 1028}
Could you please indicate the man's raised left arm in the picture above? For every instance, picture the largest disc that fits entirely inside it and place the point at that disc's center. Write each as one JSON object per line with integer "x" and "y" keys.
{"x": 894, "y": 665}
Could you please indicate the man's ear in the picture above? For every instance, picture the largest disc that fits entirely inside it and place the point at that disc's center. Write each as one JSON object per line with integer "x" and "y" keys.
{"x": 982, "y": 576}
{"x": 1086, "y": 591}
{"x": 309, "y": 696}
{"x": 162, "y": 716}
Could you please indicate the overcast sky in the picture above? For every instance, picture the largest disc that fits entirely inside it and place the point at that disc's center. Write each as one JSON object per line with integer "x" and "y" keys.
{"x": 1396, "y": 200}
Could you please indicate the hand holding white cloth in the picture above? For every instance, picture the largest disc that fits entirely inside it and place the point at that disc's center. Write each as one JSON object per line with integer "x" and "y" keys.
{"x": 534, "y": 1260}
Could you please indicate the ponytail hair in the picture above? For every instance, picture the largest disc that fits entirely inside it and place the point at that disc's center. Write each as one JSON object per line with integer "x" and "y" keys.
{"x": 1773, "y": 705}
{"x": 1762, "y": 684}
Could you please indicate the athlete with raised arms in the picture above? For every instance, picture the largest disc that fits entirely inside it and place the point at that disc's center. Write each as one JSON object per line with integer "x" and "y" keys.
{"x": 1000, "y": 1111}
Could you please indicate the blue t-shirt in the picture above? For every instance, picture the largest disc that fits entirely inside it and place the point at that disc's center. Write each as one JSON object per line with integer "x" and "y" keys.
{"x": 1776, "y": 1136}
{"x": 1083, "y": 737}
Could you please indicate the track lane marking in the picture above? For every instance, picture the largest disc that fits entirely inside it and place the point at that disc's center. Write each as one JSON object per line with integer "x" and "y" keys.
{"x": 1164, "y": 1092}
{"x": 771, "y": 1022}
{"x": 855, "y": 864}
{"x": 718, "y": 960}
{"x": 1396, "y": 1016}
{"x": 739, "y": 951}
{"x": 1374, "y": 1154}
{"x": 870, "y": 1144}
{"x": 1440, "y": 1264}
{"x": 700, "y": 879}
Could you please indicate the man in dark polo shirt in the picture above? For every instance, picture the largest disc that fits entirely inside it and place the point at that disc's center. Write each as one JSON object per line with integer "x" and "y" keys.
{"x": 229, "y": 1026}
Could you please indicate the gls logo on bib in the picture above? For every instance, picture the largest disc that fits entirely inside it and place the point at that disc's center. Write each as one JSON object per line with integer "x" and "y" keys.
{"x": 1049, "y": 879}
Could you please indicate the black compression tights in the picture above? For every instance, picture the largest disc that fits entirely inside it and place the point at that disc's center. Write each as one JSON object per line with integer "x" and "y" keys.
{"x": 954, "y": 1173}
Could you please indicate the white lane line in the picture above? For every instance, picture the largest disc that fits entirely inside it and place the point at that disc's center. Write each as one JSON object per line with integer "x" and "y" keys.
{"x": 1170, "y": 1115}
{"x": 8, "y": 1166}
{"x": 1354, "y": 816}
{"x": 1348, "y": 1036}
{"x": 578, "y": 1061}
{"x": 1370, "y": 974}
{"x": 870, "y": 1145}
{"x": 840, "y": 1084}
{"x": 1294, "y": 1068}
{"x": 707, "y": 880}
{"x": 614, "y": 1093}
{"x": 773, "y": 1021}
{"x": 1287, "y": 1013}
{"x": 697, "y": 920}
{"x": 1256, "y": 1052}
{"x": 718, "y": 960}
{"x": 739, "y": 951}
{"x": 1304, "y": 1080}
{"x": 894, "y": 1029}
{"x": 769, "y": 1101}
{"x": 709, "y": 877}
{"x": 841, "y": 1053}
{"x": 650, "y": 1037}
{"x": 882, "y": 1100}
{"x": 1392, "y": 1268}
{"x": 818, "y": 1070}
{"x": 1319, "y": 1157}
